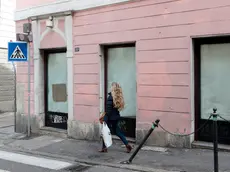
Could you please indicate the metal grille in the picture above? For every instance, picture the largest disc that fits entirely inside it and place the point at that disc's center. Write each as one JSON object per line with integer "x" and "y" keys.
{"x": 57, "y": 120}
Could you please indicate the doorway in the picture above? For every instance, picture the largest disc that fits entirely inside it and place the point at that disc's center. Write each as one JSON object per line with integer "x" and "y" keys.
{"x": 56, "y": 98}
{"x": 120, "y": 67}
{"x": 212, "y": 61}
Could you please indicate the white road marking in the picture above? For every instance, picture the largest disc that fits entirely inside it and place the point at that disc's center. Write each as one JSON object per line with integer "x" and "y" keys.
{"x": 156, "y": 149}
{"x": 34, "y": 161}
{"x": 4, "y": 170}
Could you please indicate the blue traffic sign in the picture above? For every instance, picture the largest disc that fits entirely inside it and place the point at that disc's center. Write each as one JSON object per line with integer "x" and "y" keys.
{"x": 17, "y": 52}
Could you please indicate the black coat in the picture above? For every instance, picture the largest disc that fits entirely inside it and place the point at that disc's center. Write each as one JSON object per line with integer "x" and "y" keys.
{"x": 112, "y": 113}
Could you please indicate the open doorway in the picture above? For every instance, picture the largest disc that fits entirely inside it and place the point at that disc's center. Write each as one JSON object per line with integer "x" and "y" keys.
{"x": 212, "y": 86}
{"x": 56, "y": 98}
{"x": 120, "y": 66}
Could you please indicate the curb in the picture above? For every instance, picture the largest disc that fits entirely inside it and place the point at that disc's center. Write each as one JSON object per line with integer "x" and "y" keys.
{"x": 122, "y": 166}
{"x": 82, "y": 161}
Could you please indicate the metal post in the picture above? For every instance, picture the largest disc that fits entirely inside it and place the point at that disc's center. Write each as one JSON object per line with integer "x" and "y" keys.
{"x": 215, "y": 140}
{"x": 28, "y": 55}
{"x": 15, "y": 96}
{"x": 154, "y": 125}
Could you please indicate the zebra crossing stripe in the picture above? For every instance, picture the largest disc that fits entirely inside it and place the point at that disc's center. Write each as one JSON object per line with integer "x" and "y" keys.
{"x": 34, "y": 161}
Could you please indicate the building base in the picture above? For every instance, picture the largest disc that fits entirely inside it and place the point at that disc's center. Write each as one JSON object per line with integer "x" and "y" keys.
{"x": 22, "y": 124}
{"x": 91, "y": 131}
{"x": 83, "y": 131}
{"x": 161, "y": 138}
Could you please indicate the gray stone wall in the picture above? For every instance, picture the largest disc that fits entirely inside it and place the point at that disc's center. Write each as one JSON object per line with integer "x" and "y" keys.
{"x": 6, "y": 83}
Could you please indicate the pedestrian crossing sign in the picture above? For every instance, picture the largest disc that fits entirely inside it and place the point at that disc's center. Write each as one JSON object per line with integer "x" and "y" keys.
{"x": 17, "y": 52}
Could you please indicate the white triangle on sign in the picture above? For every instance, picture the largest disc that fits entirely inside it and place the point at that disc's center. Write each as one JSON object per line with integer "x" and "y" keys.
{"x": 17, "y": 54}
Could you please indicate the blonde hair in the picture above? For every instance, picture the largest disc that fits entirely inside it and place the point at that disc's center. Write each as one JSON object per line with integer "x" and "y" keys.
{"x": 118, "y": 99}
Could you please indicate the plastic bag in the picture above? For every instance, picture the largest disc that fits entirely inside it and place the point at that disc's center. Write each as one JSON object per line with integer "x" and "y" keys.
{"x": 106, "y": 135}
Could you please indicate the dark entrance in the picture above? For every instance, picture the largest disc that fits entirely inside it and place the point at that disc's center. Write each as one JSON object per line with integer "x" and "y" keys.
{"x": 212, "y": 71}
{"x": 56, "y": 101}
{"x": 120, "y": 66}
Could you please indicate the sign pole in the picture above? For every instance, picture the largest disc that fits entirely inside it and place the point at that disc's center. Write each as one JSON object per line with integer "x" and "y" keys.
{"x": 15, "y": 96}
{"x": 28, "y": 56}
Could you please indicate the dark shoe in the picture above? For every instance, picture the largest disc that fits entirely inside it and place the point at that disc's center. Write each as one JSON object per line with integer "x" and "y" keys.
{"x": 104, "y": 150}
{"x": 129, "y": 148}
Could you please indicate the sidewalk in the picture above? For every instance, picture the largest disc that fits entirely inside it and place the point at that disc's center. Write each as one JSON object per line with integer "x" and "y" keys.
{"x": 149, "y": 159}
{"x": 7, "y": 133}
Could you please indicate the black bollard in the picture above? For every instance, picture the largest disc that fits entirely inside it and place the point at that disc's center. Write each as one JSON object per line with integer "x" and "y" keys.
{"x": 155, "y": 124}
{"x": 215, "y": 140}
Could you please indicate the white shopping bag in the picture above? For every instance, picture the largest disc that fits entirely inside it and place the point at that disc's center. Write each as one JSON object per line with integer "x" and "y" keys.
{"x": 106, "y": 135}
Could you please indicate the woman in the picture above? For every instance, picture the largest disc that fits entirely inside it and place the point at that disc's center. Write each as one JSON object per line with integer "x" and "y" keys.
{"x": 115, "y": 103}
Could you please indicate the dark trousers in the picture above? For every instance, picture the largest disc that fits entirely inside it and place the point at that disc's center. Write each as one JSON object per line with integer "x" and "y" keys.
{"x": 113, "y": 125}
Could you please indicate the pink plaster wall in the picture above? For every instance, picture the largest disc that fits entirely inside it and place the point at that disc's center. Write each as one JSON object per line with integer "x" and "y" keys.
{"x": 162, "y": 31}
{"x": 53, "y": 39}
{"x": 23, "y": 4}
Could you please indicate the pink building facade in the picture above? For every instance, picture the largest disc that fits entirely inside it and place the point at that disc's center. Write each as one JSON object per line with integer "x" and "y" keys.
{"x": 156, "y": 49}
